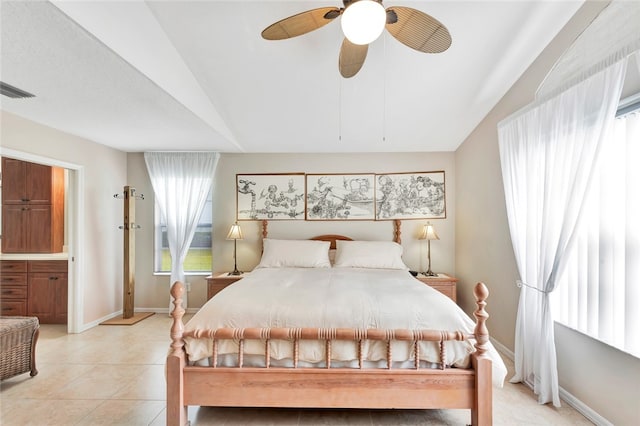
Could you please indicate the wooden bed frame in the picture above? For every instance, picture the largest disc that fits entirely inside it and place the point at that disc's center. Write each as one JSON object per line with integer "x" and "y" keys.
{"x": 417, "y": 388}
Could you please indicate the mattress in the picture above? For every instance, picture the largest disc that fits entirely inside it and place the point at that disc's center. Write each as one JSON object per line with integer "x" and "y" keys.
{"x": 335, "y": 298}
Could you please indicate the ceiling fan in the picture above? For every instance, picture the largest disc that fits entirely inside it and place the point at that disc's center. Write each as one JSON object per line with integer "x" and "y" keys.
{"x": 362, "y": 22}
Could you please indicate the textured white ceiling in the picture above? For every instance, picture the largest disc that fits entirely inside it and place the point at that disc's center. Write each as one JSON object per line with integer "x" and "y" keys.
{"x": 194, "y": 75}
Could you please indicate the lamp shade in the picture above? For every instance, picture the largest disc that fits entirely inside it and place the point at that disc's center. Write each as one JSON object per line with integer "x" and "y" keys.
{"x": 428, "y": 233}
{"x": 363, "y": 21}
{"x": 235, "y": 233}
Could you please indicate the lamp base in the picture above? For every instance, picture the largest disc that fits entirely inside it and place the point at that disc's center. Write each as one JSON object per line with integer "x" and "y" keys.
{"x": 235, "y": 272}
{"x": 429, "y": 273}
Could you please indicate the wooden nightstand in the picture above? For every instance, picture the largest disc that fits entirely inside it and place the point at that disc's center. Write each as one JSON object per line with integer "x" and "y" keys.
{"x": 216, "y": 282}
{"x": 444, "y": 283}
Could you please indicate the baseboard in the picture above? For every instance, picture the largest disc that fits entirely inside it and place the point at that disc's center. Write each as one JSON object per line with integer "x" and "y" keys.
{"x": 583, "y": 408}
{"x": 567, "y": 397}
{"x": 166, "y": 310}
{"x": 502, "y": 348}
{"x": 97, "y": 322}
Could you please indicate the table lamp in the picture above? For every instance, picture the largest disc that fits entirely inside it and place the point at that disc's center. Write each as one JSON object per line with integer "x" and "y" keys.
{"x": 429, "y": 233}
{"x": 235, "y": 234}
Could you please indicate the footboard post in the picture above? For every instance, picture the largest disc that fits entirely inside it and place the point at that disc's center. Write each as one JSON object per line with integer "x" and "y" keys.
{"x": 176, "y": 360}
{"x": 482, "y": 413}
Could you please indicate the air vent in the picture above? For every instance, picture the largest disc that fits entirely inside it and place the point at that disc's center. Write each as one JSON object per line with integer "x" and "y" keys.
{"x": 13, "y": 92}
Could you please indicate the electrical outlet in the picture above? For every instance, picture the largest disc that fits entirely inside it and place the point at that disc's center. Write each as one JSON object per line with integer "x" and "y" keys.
{"x": 188, "y": 286}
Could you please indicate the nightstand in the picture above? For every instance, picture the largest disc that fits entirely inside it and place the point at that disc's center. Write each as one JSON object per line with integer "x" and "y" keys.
{"x": 444, "y": 283}
{"x": 216, "y": 282}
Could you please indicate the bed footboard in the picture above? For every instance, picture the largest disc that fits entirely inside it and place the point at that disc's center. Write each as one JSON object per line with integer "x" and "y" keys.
{"x": 329, "y": 387}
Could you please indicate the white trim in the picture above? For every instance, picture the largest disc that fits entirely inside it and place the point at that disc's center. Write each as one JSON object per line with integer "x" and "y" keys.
{"x": 567, "y": 397}
{"x": 34, "y": 158}
{"x": 166, "y": 310}
{"x": 97, "y": 322}
{"x": 75, "y": 247}
{"x": 583, "y": 408}
{"x": 75, "y": 215}
{"x": 502, "y": 348}
{"x": 629, "y": 100}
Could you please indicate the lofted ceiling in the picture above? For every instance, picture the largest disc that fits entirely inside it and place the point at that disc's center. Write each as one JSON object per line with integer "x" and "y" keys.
{"x": 196, "y": 75}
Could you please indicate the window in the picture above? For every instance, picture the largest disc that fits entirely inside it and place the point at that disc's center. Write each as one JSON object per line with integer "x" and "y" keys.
{"x": 199, "y": 256}
{"x": 600, "y": 289}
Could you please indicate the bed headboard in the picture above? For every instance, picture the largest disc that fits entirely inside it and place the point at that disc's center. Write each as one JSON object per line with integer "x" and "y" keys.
{"x": 333, "y": 237}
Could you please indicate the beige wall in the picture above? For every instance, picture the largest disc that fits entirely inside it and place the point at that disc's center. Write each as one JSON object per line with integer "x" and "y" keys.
{"x": 152, "y": 290}
{"x": 603, "y": 378}
{"x": 104, "y": 175}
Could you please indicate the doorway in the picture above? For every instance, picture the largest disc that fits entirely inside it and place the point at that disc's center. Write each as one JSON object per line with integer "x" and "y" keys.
{"x": 74, "y": 205}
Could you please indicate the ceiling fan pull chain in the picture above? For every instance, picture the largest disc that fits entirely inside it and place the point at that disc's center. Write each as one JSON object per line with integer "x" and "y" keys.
{"x": 340, "y": 109}
{"x": 384, "y": 88}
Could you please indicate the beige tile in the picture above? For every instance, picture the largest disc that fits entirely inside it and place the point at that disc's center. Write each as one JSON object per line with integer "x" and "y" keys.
{"x": 149, "y": 385}
{"x": 335, "y": 417}
{"x": 101, "y": 382}
{"x": 420, "y": 417}
{"x": 124, "y": 412}
{"x": 22, "y": 412}
{"x": 160, "y": 419}
{"x": 50, "y": 379}
{"x": 228, "y": 416}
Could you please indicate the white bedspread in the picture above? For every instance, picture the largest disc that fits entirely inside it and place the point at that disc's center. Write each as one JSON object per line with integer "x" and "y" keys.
{"x": 335, "y": 297}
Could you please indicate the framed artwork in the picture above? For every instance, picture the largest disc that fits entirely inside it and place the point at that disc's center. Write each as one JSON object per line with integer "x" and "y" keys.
{"x": 270, "y": 196}
{"x": 340, "y": 197}
{"x": 418, "y": 195}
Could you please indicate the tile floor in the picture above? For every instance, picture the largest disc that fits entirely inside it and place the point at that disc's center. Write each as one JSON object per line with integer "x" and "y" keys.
{"x": 114, "y": 375}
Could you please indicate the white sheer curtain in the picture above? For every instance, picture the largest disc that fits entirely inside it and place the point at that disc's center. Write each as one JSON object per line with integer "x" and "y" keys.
{"x": 547, "y": 155}
{"x": 600, "y": 289}
{"x": 181, "y": 182}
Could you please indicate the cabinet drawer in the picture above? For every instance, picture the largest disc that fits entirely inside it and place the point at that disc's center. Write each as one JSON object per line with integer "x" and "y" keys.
{"x": 13, "y": 308}
{"x": 447, "y": 290}
{"x": 215, "y": 288}
{"x": 13, "y": 292}
{"x": 14, "y": 279}
{"x": 38, "y": 278}
{"x": 13, "y": 266}
{"x": 48, "y": 266}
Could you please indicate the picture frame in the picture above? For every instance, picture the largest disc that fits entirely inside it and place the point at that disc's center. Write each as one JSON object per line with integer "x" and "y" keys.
{"x": 411, "y": 195}
{"x": 340, "y": 196}
{"x": 279, "y": 196}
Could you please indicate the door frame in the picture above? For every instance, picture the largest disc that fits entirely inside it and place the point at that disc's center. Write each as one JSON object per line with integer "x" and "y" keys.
{"x": 74, "y": 224}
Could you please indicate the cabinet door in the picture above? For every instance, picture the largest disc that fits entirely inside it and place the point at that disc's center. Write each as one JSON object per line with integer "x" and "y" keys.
{"x": 60, "y": 312}
{"x": 42, "y": 296}
{"x": 25, "y": 182}
{"x": 38, "y": 228}
{"x": 48, "y": 297}
{"x": 38, "y": 185}
{"x": 14, "y": 228}
{"x": 14, "y": 178}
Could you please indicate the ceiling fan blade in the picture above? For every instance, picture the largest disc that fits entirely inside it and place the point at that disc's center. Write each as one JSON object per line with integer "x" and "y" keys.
{"x": 352, "y": 57}
{"x": 301, "y": 23}
{"x": 418, "y": 30}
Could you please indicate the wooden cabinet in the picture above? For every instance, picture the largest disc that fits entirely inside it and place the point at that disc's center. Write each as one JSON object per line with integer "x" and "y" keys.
{"x": 35, "y": 288}
{"x": 32, "y": 207}
{"x": 13, "y": 287}
{"x": 27, "y": 229}
{"x": 217, "y": 282}
{"x": 445, "y": 284}
{"x": 48, "y": 291}
{"x": 25, "y": 182}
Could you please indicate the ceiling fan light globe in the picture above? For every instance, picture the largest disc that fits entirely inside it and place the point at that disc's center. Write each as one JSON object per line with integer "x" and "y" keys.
{"x": 363, "y": 21}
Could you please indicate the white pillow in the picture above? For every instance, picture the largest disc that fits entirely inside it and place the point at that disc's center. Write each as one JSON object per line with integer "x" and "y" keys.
{"x": 369, "y": 254}
{"x": 294, "y": 254}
